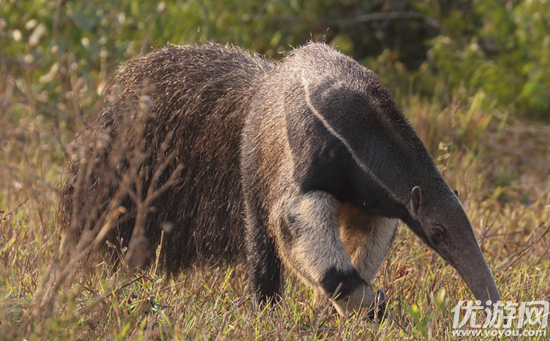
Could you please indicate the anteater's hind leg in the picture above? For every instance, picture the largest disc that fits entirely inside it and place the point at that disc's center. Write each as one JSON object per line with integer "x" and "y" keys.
{"x": 263, "y": 264}
{"x": 366, "y": 239}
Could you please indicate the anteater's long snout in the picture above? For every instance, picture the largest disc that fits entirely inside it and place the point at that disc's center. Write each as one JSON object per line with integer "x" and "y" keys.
{"x": 472, "y": 267}
{"x": 479, "y": 279}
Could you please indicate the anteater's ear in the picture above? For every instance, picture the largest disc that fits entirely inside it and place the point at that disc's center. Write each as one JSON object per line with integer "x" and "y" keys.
{"x": 417, "y": 200}
{"x": 456, "y": 193}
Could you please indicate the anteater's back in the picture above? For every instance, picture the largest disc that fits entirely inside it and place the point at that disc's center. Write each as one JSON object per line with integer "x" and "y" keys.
{"x": 201, "y": 95}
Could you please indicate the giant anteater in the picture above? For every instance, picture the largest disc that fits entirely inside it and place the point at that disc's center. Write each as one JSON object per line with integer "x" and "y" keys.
{"x": 305, "y": 162}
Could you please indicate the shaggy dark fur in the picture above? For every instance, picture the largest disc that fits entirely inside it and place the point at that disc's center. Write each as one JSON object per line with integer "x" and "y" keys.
{"x": 202, "y": 94}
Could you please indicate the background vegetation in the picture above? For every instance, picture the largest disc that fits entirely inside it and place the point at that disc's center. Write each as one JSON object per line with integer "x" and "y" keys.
{"x": 472, "y": 76}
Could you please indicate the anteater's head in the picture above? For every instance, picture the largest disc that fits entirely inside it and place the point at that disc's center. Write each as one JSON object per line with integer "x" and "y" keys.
{"x": 438, "y": 218}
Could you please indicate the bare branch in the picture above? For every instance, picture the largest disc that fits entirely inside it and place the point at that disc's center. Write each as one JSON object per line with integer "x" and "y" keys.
{"x": 371, "y": 17}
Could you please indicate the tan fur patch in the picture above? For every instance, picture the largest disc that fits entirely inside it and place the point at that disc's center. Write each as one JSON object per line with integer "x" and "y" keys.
{"x": 366, "y": 239}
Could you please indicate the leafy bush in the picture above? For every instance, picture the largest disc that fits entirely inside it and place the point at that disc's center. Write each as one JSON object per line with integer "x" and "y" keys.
{"x": 506, "y": 57}
{"x": 499, "y": 49}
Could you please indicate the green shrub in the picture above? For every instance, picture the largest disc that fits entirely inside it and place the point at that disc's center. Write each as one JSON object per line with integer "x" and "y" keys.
{"x": 505, "y": 57}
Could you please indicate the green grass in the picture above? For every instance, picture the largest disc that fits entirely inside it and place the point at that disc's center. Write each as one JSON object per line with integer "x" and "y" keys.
{"x": 49, "y": 289}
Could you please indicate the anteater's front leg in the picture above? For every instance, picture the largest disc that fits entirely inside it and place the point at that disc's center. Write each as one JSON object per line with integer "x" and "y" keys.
{"x": 306, "y": 228}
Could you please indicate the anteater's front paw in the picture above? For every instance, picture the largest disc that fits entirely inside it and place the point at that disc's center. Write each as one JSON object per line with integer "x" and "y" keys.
{"x": 360, "y": 298}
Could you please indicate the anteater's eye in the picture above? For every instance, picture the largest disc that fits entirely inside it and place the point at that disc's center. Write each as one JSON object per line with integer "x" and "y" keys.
{"x": 438, "y": 232}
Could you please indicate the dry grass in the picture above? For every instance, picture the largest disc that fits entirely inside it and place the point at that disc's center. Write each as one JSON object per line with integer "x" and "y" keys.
{"x": 49, "y": 289}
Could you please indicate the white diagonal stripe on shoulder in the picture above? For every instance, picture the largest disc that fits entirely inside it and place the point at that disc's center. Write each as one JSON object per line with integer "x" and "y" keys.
{"x": 356, "y": 158}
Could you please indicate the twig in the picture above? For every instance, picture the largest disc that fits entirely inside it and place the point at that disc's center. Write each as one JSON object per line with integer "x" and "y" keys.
{"x": 392, "y": 316}
{"x": 371, "y": 17}
{"x": 12, "y": 211}
{"x": 173, "y": 286}
{"x": 398, "y": 324}
{"x": 522, "y": 253}
{"x": 102, "y": 297}
{"x": 239, "y": 303}
{"x": 391, "y": 254}
{"x": 159, "y": 251}
{"x": 5, "y": 216}
{"x": 331, "y": 329}
{"x": 327, "y": 306}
